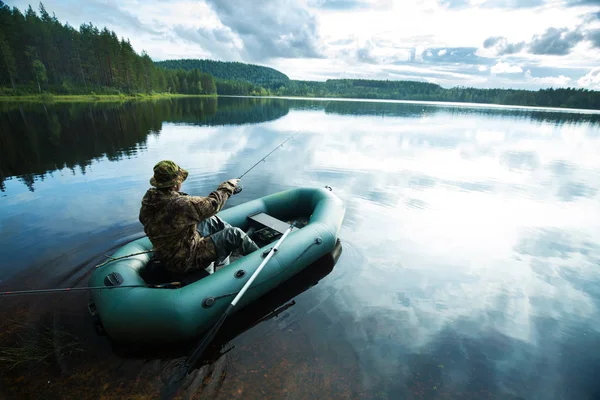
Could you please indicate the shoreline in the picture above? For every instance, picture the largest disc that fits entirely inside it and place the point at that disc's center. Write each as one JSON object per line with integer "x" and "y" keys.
{"x": 57, "y": 98}
{"x": 52, "y": 98}
{"x": 428, "y": 103}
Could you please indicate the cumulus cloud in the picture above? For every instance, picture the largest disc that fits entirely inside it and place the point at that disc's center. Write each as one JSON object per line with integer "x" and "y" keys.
{"x": 365, "y": 54}
{"x": 513, "y": 3}
{"x": 271, "y": 29}
{"x": 454, "y": 55}
{"x": 491, "y": 41}
{"x": 341, "y": 5}
{"x": 555, "y": 42}
{"x": 575, "y": 3}
{"x": 220, "y": 42}
{"x": 548, "y": 81}
{"x": 501, "y": 46}
{"x": 505, "y": 68}
{"x": 591, "y": 80}
{"x": 594, "y": 37}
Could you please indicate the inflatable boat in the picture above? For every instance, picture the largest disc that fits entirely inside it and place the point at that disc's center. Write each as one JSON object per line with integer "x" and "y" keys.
{"x": 168, "y": 314}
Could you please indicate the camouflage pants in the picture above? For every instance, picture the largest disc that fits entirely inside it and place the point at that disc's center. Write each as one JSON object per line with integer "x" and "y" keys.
{"x": 226, "y": 237}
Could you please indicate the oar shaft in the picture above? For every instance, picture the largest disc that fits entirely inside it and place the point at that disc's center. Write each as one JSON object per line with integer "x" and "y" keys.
{"x": 260, "y": 267}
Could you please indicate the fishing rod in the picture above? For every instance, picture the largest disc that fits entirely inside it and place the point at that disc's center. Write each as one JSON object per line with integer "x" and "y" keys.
{"x": 38, "y": 291}
{"x": 265, "y": 157}
{"x": 239, "y": 187}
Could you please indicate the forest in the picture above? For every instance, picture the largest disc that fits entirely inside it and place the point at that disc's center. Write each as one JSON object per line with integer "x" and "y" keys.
{"x": 38, "y": 54}
{"x": 231, "y": 71}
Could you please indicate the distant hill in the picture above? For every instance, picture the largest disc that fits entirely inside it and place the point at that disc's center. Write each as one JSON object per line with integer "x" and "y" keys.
{"x": 255, "y": 74}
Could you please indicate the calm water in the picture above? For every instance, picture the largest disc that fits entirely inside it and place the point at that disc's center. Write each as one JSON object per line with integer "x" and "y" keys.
{"x": 471, "y": 247}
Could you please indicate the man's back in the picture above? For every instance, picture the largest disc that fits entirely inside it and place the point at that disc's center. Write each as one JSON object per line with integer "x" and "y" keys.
{"x": 169, "y": 225}
{"x": 170, "y": 218}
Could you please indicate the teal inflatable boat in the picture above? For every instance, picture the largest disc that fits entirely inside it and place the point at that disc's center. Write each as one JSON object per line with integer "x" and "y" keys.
{"x": 146, "y": 314}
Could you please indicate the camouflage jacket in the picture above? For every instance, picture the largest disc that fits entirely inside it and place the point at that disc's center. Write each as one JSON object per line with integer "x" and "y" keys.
{"x": 170, "y": 220}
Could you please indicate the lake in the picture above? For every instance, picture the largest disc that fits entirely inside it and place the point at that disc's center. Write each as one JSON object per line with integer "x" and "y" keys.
{"x": 469, "y": 264}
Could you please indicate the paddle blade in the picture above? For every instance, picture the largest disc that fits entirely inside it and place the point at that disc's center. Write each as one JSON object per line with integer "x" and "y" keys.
{"x": 208, "y": 337}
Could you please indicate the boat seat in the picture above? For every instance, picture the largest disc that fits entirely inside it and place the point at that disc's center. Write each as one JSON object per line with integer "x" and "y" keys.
{"x": 271, "y": 222}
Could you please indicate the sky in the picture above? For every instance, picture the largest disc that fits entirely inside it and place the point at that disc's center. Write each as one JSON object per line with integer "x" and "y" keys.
{"x": 528, "y": 44}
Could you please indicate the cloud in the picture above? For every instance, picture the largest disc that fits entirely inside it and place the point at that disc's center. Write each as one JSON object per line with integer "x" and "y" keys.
{"x": 342, "y": 42}
{"x": 555, "y": 42}
{"x": 491, "y": 41}
{"x": 575, "y": 3}
{"x": 221, "y": 42}
{"x": 271, "y": 29}
{"x": 454, "y": 55}
{"x": 500, "y": 46}
{"x": 455, "y": 3}
{"x": 341, "y": 5}
{"x": 100, "y": 12}
{"x": 551, "y": 81}
{"x": 591, "y": 80}
{"x": 594, "y": 37}
{"x": 458, "y": 4}
{"x": 513, "y": 3}
{"x": 365, "y": 54}
{"x": 505, "y": 68}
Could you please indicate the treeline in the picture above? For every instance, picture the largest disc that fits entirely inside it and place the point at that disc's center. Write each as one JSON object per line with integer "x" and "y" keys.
{"x": 39, "y": 54}
{"x": 409, "y": 90}
{"x": 231, "y": 71}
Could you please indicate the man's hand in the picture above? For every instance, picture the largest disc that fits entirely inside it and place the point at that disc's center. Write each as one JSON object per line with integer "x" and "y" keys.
{"x": 234, "y": 182}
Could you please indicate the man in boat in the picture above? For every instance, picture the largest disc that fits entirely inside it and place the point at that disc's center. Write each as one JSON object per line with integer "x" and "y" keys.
{"x": 184, "y": 230}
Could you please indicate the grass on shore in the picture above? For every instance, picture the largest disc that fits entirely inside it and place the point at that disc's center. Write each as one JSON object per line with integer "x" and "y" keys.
{"x": 49, "y": 98}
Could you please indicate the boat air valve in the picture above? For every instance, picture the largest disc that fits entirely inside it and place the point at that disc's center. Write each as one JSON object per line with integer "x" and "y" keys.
{"x": 318, "y": 240}
{"x": 240, "y": 273}
{"x": 208, "y": 302}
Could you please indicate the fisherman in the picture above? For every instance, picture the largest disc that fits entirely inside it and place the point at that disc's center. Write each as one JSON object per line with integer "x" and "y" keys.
{"x": 184, "y": 230}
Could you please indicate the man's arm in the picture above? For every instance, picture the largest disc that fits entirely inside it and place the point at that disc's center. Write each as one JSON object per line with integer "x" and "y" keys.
{"x": 205, "y": 207}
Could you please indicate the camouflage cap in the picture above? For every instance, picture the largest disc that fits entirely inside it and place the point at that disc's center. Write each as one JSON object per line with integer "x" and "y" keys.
{"x": 167, "y": 174}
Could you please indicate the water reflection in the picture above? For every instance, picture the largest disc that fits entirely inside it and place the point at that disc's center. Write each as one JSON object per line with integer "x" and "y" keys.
{"x": 38, "y": 139}
{"x": 471, "y": 237}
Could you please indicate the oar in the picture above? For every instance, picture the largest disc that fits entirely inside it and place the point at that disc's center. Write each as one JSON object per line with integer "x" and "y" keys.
{"x": 208, "y": 337}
